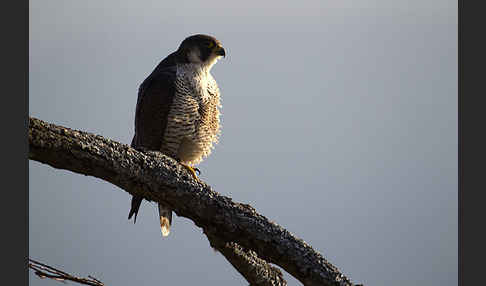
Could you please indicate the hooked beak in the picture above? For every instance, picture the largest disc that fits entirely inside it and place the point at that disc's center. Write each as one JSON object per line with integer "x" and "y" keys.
{"x": 220, "y": 51}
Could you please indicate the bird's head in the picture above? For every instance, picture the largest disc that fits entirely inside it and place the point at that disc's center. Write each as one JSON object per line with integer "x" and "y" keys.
{"x": 201, "y": 49}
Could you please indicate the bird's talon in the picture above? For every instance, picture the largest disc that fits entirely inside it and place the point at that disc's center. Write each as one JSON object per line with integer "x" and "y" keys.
{"x": 197, "y": 171}
{"x": 192, "y": 170}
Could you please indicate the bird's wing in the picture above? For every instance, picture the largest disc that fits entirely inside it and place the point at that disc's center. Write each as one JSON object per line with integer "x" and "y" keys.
{"x": 155, "y": 96}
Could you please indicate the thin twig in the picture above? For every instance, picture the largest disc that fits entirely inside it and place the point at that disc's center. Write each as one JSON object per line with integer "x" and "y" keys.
{"x": 45, "y": 271}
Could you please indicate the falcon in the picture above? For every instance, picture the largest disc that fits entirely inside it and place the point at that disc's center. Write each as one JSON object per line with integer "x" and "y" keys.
{"x": 177, "y": 110}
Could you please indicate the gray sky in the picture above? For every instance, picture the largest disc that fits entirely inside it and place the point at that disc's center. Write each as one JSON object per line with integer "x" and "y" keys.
{"x": 339, "y": 123}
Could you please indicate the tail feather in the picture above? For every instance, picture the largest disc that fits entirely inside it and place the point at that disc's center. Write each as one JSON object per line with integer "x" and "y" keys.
{"x": 165, "y": 215}
{"x": 136, "y": 202}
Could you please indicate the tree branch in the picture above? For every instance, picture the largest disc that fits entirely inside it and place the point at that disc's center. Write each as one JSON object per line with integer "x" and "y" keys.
{"x": 256, "y": 271}
{"x": 159, "y": 178}
{"x": 45, "y": 271}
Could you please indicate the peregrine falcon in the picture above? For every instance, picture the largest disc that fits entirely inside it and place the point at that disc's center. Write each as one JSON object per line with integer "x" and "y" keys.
{"x": 177, "y": 110}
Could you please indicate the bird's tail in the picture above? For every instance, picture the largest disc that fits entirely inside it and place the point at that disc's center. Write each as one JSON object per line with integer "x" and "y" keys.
{"x": 165, "y": 215}
{"x": 136, "y": 201}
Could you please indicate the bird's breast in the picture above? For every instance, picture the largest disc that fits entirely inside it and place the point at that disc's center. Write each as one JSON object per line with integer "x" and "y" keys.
{"x": 193, "y": 121}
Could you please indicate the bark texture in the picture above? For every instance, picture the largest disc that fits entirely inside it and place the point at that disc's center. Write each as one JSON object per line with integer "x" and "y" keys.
{"x": 247, "y": 239}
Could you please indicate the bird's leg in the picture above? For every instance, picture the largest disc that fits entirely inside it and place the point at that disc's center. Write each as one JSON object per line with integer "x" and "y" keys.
{"x": 191, "y": 170}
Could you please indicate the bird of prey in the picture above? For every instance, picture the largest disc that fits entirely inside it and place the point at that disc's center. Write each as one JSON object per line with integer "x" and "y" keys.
{"x": 177, "y": 110}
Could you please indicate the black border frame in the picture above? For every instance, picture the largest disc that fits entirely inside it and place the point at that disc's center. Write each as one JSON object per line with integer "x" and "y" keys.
{"x": 15, "y": 86}
{"x": 471, "y": 120}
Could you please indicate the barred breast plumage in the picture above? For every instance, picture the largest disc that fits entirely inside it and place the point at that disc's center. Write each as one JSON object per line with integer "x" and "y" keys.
{"x": 193, "y": 120}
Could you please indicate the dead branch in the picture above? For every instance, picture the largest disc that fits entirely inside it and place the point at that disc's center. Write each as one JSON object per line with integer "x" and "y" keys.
{"x": 45, "y": 271}
{"x": 254, "y": 239}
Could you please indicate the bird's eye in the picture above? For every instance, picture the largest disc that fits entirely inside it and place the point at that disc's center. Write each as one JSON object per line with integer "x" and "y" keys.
{"x": 209, "y": 44}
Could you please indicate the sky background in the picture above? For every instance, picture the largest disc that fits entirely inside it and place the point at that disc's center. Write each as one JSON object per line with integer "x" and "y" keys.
{"x": 339, "y": 122}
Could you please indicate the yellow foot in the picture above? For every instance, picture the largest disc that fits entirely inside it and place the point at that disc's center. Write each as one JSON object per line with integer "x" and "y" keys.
{"x": 192, "y": 170}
